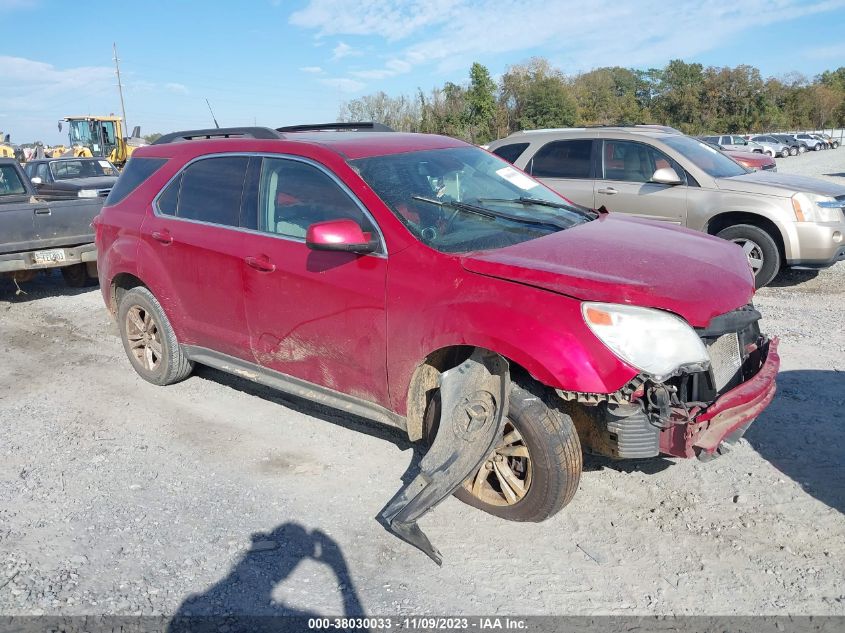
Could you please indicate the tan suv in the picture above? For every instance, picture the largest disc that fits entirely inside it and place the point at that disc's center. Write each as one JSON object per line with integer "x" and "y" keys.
{"x": 777, "y": 219}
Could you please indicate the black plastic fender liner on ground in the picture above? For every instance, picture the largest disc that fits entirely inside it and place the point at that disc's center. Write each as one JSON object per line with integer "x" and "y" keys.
{"x": 474, "y": 400}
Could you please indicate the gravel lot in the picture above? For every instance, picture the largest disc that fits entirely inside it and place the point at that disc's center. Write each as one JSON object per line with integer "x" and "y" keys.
{"x": 215, "y": 495}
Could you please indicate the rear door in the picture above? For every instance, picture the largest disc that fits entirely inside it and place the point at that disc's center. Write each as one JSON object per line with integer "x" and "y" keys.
{"x": 317, "y": 315}
{"x": 195, "y": 237}
{"x": 566, "y": 167}
{"x": 626, "y": 169}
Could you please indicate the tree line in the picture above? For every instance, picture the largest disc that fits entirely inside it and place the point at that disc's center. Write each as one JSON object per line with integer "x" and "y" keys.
{"x": 690, "y": 97}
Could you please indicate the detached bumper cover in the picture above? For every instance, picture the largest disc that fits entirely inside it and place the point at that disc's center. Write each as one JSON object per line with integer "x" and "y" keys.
{"x": 733, "y": 410}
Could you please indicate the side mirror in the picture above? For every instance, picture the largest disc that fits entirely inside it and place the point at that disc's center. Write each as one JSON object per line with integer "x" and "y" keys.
{"x": 666, "y": 176}
{"x": 339, "y": 235}
{"x": 35, "y": 180}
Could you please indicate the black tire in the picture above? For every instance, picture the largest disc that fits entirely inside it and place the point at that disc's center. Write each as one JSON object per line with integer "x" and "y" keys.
{"x": 793, "y": 151}
{"x": 554, "y": 454}
{"x": 169, "y": 365}
{"x": 818, "y": 147}
{"x": 76, "y": 276}
{"x": 765, "y": 245}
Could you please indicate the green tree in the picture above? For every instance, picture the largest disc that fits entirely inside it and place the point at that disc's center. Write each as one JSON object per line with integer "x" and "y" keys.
{"x": 480, "y": 104}
{"x": 152, "y": 138}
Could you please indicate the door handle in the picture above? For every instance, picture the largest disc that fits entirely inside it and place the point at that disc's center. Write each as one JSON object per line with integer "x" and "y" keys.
{"x": 261, "y": 264}
{"x": 607, "y": 191}
{"x": 162, "y": 236}
{"x": 43, "y": 212}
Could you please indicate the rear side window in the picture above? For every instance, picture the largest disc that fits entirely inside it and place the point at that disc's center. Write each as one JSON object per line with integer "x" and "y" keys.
{"x": 510, "y": 152}
{"x": 563, "y": 159}
{"x": 137, "y": 170}
{"x": 211, "y": 190}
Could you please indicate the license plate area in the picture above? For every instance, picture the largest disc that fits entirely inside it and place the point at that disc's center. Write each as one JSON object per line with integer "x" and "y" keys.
{"x": 51, "y": 256}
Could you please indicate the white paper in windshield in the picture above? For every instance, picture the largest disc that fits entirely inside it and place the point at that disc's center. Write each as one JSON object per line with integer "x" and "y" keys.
{"x": 104, "y": 163}
{"x": 519, "y": 179}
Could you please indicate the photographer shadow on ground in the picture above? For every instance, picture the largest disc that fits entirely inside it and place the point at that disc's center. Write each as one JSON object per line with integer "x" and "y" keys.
{"x": 243, "y": 600}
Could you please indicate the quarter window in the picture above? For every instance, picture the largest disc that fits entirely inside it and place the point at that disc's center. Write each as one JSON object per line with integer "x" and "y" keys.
{"x": 510, "y": 152}
{"x": 293, "y": 195}
{"x": 563, "y": 159}
{"x": 211, "y": 190}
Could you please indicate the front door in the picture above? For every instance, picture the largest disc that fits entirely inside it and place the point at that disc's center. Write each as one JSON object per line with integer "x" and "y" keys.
{"x": 624, "y": 185}
{"x": 315, "y": 315}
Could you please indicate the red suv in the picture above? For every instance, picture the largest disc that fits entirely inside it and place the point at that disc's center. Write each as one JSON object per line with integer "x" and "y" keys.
{"x": 428, "y": 284}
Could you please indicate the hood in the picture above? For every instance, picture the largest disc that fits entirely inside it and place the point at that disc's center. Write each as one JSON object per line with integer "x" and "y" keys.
{"x": 627, "y": 260}
{"x": 778, "y": 184}
{"x": 99, "y": 182}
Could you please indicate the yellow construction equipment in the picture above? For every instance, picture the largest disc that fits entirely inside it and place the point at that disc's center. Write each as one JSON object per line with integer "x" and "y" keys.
{"x": 6, "y": 149}
{"x": 101, "y": 136}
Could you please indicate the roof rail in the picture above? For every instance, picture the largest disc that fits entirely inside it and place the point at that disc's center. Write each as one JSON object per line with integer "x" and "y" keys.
{"x": 221, "y": 132}
{"x": 369, "y": 126}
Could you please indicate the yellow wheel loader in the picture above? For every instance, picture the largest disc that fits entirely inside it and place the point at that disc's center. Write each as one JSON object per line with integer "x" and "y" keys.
{"x": 101, "y": 136}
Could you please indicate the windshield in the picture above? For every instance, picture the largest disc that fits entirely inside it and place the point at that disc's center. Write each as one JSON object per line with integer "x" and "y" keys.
{"x": 710, "y": 160}
{"x": 464, "y": 199}
{"x": 64, "y": 169}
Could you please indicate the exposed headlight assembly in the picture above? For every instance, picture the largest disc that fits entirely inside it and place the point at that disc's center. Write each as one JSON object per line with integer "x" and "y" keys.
{"x": 655, "y": 342}
{"x": 810, "y": 207}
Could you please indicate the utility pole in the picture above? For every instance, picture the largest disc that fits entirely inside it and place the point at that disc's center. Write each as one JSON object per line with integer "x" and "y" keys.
{"x": 120, "y": 87}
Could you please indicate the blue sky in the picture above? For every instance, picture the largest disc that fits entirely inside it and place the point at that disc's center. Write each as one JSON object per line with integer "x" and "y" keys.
{"x": 278, "y": 62}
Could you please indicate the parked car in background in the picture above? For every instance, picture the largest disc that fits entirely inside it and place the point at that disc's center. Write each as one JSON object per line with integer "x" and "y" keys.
{"x": 36, "y": 234}
{"x": 749, "y": 160}
{"x": 772, "y": 146}
{"x": 735, "y": 142}
{"x": 824, "y": 138}
{"x": 834, "y": 143}
{"x": 427, "y": 284}
{"x": 812, "y": 143}
{"x": 795, "y": 146}
{"x": 59, "y": 178}
{"x": 778, "y": 220}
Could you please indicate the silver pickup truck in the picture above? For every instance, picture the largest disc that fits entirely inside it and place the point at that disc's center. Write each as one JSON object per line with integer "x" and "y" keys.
{"x": 37, "y": 234}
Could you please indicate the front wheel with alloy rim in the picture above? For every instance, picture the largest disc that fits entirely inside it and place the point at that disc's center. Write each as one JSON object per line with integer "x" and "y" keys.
{"x": 535, "y": 467}
{"x": 149, "y": 340}
{"x": 760, "y": 249}
{"x": 793, "y": 151}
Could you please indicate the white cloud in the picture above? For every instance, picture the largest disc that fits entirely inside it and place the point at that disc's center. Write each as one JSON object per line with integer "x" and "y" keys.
{"x": 314, "y": 70}
{"x": 176, "y": 88}
{"x": 343, "y": 50}
{"x": 577, "y": 35}
{"x": 343, "y": 84}
{"x": 390, "y": 19}
{"x": 834, "y": 51}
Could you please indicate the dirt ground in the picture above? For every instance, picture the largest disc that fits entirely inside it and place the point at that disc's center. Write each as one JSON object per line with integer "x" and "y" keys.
{"x": 216, "y": 495}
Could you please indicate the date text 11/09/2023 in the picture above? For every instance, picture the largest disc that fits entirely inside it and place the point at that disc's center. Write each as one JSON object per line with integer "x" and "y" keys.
{"x": 418, "y": 623}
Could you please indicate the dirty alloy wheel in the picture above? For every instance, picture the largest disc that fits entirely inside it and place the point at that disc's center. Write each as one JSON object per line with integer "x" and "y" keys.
{"x": 76, "y": 276}
{"x": 793, "y": 151}
{"x": 149, "y": 340}
{"x": 535, "y": 467}
{"x": 760, "y": 249}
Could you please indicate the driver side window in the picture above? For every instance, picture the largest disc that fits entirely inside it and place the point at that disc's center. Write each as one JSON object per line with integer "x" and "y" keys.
{"x": 293, "y": 195}
{"x": 633, "y": 162}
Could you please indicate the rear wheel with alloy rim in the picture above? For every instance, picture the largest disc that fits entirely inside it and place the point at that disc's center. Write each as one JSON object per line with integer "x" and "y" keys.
{"x": 793, "y": 151}
{"x": 535, "y": 467}
{"x": 760, "y": 249}
{"x": 149, "y": 339}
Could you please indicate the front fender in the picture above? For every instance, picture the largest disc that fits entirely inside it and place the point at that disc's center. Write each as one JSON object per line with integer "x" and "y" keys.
{"x": 541, "y": 331}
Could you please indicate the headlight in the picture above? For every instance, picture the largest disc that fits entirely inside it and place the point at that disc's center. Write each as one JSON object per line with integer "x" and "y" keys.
{"x": 810, "y": 207}
{"x": 655, "y": 342}
{"x": 87, "y": 193}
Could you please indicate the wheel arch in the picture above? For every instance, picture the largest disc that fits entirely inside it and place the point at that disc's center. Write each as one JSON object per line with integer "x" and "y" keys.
{"x": 120, "y": 284}
{"x": 425, "y": 378}
{"x": 731, "y": 218}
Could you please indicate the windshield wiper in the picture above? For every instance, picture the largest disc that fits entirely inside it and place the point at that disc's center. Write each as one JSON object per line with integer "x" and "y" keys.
{"x": 489, "y": 213}
{"x": 528, "y": 200}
